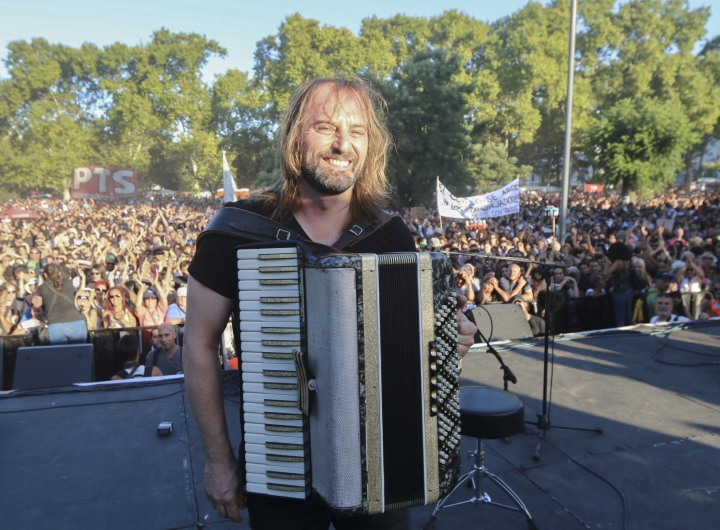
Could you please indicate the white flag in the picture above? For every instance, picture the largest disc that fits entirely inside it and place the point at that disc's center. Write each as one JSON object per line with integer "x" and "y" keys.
{"x": 505, "y": 201}
{"x": 228, "y": 182}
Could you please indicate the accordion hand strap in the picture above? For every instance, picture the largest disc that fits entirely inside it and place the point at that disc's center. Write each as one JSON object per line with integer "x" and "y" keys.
{"x": 249, "y": 225}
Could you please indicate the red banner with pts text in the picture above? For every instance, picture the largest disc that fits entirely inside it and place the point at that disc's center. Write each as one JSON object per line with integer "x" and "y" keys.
{"x": 100, "y": 182}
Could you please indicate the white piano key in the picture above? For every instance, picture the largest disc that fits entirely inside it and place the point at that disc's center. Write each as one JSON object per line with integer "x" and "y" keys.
{"x": 263, "y": 469}
{"x": 257, "y": 478}
{"x": 253, "y": 253}
{"x": 256, "y": 295}
{"x": 261, "y": 336}
{"x": 261, "y": 388}
{"x": 262, "y": 439}
{"x": 258, "y": 347}
{"x": 260, "y": 428}
{"x": 257, "y": 305}
{"x": 270, "y": 327}
{"x": 263, "y": 450}
{"x": 257, "y": 357}
{"x": 269, "y": 284}
{"x": 261, "y": 408}
{"x": 254, "y": 377}
{"x": 271, "y": 399}
{"x": 286, "y": 366}
{"x": 255, "y": 264}
{"x": 275, "y": 272}
{"x": 263, "y": 489}
{"x": 255, "y": 458}
{"x": 269, "y": 315}
{"x": 268, "y": 289}
{"x": 260, "y": 418}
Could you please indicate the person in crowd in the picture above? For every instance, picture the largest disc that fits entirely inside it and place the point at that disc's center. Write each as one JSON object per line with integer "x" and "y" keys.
{"x": 664, "y": 311}
{"x": 689, "y": 276}
{"x": 617, "y": 269}
{"x": 537, "y": 324}
{"x": 710, "y": 306}
{"x": 9, "y": 317}
{"x": 66, "y": 325}
{"x": 168, "y": 359}
{"x": 117, "y": 314}
{"x": 464, "y": 286}
{"x": 514, "y": 283}
{"x": 83, "y": 303}
{"x": 176, "y": 312}
{"x": 660, "y": 286}
{"x": 128, "y": 349}
{"x": 566, "y": 284}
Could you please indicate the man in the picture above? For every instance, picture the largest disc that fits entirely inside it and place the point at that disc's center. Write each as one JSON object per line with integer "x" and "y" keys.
{"x": 169, "y": 357}
{"x": 662, "y": 284}
{"x": 128, "y": 349}
{"x": 664, "y": 311}
{"x": 537, "y": 324}
{"x": 515, "y": 284}
{"x": 333, "y": 151}
{"x": 176, "y": 312}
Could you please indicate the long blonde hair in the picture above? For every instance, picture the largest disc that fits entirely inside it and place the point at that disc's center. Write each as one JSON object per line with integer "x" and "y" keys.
{"x": 370, "y": 193}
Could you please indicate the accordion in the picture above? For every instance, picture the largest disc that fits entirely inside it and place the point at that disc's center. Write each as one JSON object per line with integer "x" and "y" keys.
{"x": 349, "y": 376}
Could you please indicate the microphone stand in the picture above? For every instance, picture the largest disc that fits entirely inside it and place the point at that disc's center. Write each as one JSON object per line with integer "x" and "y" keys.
{"x": 543, "y": 420}
{"x": 507, "y": 373}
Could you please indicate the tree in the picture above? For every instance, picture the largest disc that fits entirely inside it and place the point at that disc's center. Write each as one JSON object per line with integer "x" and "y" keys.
{"x": 427, "y": 119}
{"x": 640, "y": 144}
{"x": 492, "y": 169}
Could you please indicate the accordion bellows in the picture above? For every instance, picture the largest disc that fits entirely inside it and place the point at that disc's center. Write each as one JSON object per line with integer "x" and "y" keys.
{"x": 380, "y": 377}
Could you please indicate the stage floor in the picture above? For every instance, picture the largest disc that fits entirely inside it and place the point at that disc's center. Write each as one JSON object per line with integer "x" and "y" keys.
{"x": 89, "y": 459}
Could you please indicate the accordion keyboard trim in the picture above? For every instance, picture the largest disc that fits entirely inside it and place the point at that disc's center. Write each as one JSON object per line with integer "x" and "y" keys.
{"x": 288, "y": 454}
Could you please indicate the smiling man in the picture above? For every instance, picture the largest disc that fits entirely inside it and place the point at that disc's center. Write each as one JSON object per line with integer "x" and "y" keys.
{"x": 333, "y": 152}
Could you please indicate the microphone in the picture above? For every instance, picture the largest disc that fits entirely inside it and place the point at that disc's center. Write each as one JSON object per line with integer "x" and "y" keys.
{"x": 510, "y": 376}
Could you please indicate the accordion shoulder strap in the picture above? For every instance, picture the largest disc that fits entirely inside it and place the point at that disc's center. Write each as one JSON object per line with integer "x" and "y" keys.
{"x": 242, "y": 223}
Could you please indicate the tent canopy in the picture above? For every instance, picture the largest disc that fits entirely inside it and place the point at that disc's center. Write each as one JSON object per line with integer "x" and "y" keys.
{"x": 18, "y": 213}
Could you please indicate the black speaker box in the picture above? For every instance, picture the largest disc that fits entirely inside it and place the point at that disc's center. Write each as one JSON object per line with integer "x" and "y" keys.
{"x": 53, "y": 366}
{"x": 505, "y": 321}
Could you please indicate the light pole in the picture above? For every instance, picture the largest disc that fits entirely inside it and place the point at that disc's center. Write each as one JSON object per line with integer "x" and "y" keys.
{"x": 567, "y": 155}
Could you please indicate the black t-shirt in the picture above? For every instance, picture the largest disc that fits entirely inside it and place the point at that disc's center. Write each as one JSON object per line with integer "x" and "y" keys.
{"x": 214, "y": 263}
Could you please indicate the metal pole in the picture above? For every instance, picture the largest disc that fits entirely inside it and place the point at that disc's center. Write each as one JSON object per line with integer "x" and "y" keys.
{"x": 437, "y": 203}
{"x": 567, "y": 155}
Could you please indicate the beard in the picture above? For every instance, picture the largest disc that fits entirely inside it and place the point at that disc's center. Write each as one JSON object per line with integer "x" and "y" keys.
{"x": 329, "y": 181}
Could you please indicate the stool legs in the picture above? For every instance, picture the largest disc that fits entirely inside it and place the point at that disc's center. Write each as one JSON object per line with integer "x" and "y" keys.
{"x": 474, "y": 478}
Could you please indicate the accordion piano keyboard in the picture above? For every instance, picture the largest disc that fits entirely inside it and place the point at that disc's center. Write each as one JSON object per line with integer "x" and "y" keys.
{"x": 275, "y": 432}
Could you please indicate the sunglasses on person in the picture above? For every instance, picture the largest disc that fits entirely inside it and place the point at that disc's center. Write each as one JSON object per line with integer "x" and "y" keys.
{"x": 101, "y": 290}
{"x": 83, "y": 298}
{"x": 34, "y": 252}
{"x": 115, "y": 296}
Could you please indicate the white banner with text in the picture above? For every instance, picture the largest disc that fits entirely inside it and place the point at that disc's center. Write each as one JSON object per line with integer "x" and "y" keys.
{"x": 505, "y": 201}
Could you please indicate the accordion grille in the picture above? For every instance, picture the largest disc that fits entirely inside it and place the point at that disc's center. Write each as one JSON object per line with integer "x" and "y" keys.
{"x": 335, "y": 428}
{"x": 402, "y": 413}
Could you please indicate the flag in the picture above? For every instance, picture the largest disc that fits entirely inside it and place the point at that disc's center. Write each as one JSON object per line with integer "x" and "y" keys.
{"x": 228, "y": 182}
{"x": 504, "y": 201}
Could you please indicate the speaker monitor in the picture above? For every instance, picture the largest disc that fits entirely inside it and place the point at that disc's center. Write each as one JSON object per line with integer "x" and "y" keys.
{"x": 53, "y": 366}
{"x": 508, "y": 322}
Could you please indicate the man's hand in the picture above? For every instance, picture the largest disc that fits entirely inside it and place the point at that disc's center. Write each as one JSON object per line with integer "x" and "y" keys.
{"x": 223, "y": 490}
{"x": 466, "y": 329}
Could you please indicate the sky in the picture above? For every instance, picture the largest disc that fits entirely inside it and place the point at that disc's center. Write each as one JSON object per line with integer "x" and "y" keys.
{"x": 236, "y": 24}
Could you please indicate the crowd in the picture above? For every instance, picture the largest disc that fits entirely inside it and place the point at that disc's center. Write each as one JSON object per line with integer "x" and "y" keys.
{"x": 621, "y": 261}
{"x": 127, "y": 262}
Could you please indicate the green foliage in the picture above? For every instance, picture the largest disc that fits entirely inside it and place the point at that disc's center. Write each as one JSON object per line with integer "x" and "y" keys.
{"x": 474, "y": 103}
{"x": 426, "y": 117}
{"x": 641, "y": 143}
{"x": 493, "y": 168}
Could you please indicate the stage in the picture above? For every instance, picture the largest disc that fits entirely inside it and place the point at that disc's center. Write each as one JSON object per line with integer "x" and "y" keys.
{"x": 90, "y": 457}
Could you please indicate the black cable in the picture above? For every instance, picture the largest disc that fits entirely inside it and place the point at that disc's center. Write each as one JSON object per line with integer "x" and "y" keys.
{"x": 583, "y": 466}
{"x": 92, "y": 404}
{"x": 682, "y": 365}
{"x": 491, "y": 322}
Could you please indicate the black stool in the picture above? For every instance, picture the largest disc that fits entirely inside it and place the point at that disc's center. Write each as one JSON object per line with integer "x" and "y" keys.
{"x": 489, "y": 414}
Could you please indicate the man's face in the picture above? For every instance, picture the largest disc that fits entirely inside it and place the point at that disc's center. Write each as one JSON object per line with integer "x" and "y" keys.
{"x": 514, "y": 272}
{"x": 663, "y": 306}
{"x": 155, "y": 338}
{"x": 594, "y": 267}
{"x": 335, "y": 141}
{"x": 584, "y": 269}
{"x": 181, "y": 301}
{"x": 167, "y": 336}
{"x": 559, "y": 275}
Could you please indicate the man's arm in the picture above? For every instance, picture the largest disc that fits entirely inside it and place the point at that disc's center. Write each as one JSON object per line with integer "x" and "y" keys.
{"x": 207, "y": 316}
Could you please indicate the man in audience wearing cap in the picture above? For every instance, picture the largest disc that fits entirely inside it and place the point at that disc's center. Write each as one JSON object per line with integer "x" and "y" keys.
{"x": 176, "y": 312}
{"x": 537, "y": 324}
